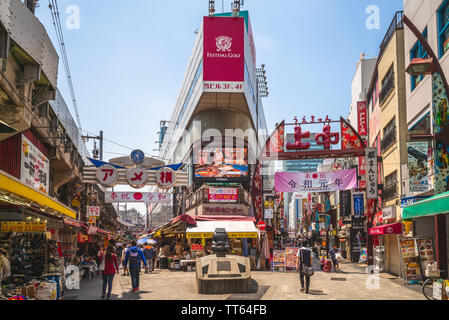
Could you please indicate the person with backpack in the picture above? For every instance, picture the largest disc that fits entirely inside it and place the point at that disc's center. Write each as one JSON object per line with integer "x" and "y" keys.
{"x": 109, "y": 267}
{"x": 135, "y": 257}
{"x": 304, "y": 263}
{"x": 148, "y": 252}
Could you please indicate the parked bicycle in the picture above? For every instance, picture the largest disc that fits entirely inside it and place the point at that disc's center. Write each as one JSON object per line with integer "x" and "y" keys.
{"x": 427, "y": 287}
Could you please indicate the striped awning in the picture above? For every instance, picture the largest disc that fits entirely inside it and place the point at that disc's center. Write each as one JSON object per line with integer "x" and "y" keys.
{"x": 438, "y": 204}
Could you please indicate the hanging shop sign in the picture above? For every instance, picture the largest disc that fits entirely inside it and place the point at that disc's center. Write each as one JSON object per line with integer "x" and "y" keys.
{"x": 225, "y": 209}
{"x": 440, "y": 112}
{"x": 389, "y": 213}
{"x": 371, "y": 173}
{"x": 362, "y": 120}
{"x": 93, "y": 211}
{"x": 18, "y": 226}
{"x": 223, "y": 194}
{"x": 35, "y": 167}
{"x": 107, "y": 175}
{"x": 359, "y": 204}
{"x": 165, "y": 178}
{"x": 223, "y": 54}
{"x": 315, "y": 181}
{"x": 148, "y": 197}
{"x": 350, "y": 139}
{"x": 137, "y": 177}
{"x": 362, "y": 172}
{"x": 411, "y": 200}
{"x": 268, "y": 213}
{"x": 418, "y": 166}
{"x": 92, "y": 220}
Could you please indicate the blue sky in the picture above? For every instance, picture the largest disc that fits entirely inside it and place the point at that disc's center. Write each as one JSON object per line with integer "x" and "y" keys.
{"x": 128, "y": 59}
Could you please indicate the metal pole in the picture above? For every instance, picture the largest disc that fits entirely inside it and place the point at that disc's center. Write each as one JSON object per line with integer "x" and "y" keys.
{"x": 101, "y": 145}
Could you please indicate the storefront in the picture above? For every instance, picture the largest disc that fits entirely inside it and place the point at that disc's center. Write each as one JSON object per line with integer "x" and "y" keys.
{"x": 386, "y": 252}
{"x": 431, "y": 220}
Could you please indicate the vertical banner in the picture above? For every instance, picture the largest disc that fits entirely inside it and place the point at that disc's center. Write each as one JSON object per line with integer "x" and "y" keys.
{"x": 362, "y": 172}
{"x": 440, "y": 117}
{"x": 359, "y": 204}
{"x": 418, "y": 166}
{"x": 362, "y": 121}
{"x": 371, "y": 173}
{"x": 223, "y": 54}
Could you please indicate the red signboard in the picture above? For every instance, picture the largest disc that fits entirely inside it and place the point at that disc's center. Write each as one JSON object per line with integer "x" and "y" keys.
{"x": 224, "y": 49}
{"x": 261, "y": 225}
{"x": 395, "y": 228}
{"x": 362, "y": 120}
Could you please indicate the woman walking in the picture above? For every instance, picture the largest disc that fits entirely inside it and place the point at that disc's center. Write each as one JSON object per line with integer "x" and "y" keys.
{"x": 109, "y": 267}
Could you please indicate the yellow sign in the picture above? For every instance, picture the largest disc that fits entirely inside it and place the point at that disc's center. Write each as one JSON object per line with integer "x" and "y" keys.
{"x": 231, "y": 235}
{"x": 17, "y": 226}
{"x": 92, "y": 220}
{"x": 158, "y": 234}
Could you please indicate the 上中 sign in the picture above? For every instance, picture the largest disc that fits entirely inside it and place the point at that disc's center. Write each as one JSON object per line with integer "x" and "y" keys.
{"x": 371, "y": 173}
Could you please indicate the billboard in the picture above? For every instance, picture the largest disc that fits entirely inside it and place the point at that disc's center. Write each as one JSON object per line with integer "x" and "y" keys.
{"x": 221, "y": 164}
{"x": 418, "y": 166}
{"x": 223, "y": 194}
{"x": 35, "y": 167}
{"x": 223, "y": 54}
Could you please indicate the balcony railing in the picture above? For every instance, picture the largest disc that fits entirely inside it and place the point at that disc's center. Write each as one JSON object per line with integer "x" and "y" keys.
{"x": 387, "y": 87}
{"x": 390, "y": 192}
{"x": 395, "y": 25}
{"x": 389, "y": 139}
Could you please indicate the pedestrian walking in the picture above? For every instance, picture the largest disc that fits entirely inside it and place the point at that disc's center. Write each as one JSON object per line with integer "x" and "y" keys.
{"x": 148, "y": 252}
{"x": 135, "y": 257}
{"x": 109, "y": 267}
{"x": 333, "y": 253}
{"x": 125, "y": 249}
{"x": 304, "y": 262}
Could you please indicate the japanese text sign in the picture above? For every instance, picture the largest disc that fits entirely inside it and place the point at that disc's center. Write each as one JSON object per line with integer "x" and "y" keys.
{"x": 165, "y": 178}
{"x": 371, "y": 173}
{"x": 107, "y": 175}
{"x": 93, "y": 211}
{"x": 362, "y": 121}
{"x": 223, "y": 195}
{"x": 148, "y": 197}
{"x": 315, "y": 181}
{"x": 35, "y": 167}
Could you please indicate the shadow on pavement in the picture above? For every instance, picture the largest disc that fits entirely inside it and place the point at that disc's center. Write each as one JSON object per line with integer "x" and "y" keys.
{"x": 317, "y": 293}
{"x": 133, "y": 296}
{"x": 256, "y": 293}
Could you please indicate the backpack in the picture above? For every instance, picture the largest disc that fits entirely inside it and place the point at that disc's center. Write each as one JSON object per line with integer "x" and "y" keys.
{"x": 134, "y": 259}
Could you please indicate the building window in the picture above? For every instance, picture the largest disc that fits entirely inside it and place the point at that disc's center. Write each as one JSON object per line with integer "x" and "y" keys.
{"x": 418, "y": 51}
{"x": 389, "y": 136}
{"x": 443, "y": 27}
{"x": 387, "y": 85}
{"x": 390, "y": 187}
{"x": 422, "y": 126}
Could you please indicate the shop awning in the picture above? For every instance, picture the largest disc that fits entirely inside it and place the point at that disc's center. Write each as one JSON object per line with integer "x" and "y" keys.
{"x": 73, "y": 223}
{"x": 438, "y": 204}
{"x": 235, "y": 229}
{"x": 393, "y": 228}
{"x": 30, "y": 196}
{"x": 224, "y": 218}
{"x": 183, "y": 218}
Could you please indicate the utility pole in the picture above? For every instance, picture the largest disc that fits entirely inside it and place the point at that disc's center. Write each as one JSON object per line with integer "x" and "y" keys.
{"x": 95, "y": 151}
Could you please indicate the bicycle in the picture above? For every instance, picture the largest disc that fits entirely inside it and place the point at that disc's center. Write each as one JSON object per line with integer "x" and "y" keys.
{"x": 427, "y": 287}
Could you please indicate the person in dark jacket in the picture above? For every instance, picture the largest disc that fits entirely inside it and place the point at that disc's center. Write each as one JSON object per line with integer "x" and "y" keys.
{"x": 149, "y": 253}
{"x": 135, "y": 257}
{"x": 110, "y": 268}
{"x": 304, "y": 259}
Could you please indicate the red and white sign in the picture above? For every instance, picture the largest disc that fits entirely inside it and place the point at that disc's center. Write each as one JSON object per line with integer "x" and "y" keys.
{"x": 93, "y": 211}
{"x": 362, "y": 120}
{"x": 107, "y": 175}
{"x": 223, "y": 54}
{"x": 261, "y": 225}
{"x": 137, "y": 177}
{"x": 362, "y": 172}
{"x": 35, "y": 167}
{"x": 394, "y": 228}
{"x": 223, "y": 195}
{"x": 165, "y": 178}
{"x": 148, "y": 197}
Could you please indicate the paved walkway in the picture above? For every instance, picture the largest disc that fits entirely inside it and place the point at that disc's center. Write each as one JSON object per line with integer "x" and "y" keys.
{"x": 351, "y": 284}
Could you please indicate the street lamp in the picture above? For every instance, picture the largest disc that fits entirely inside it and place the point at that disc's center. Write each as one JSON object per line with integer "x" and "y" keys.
{"x": 419, "y": 66}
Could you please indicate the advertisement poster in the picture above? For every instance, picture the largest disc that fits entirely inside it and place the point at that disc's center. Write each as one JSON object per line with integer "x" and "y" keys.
{"x": 35, "y": 167}
{"x": 418, "y": 166}
{"x": 315, "y": 181}
{"x": 426, "y": 251}
{"x": 223, "y": 54}
{"x": 290, "y": 254}
{"x": 359, "y": 204}
{"x": 345, "y": 203}
{"x": 440, "y": 112}
{"x": 223, "y": 195}
{"x": 278, "y": 258}
{"x": 410, "y": 259}
{"x": 219, "y": 162}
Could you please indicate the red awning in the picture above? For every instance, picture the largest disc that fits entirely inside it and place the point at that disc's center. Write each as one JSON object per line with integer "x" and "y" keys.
{"x": 74, "y": 223}
{"x": 224, "y": 218}
{"x": 394, "y": 228}
{"x": 186, "y": 218}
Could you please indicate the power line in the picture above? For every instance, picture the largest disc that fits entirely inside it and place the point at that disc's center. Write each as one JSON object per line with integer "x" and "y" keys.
{"x": 53, "y": 5}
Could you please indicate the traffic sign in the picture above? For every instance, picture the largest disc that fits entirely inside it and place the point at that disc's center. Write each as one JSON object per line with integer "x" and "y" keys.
{"x": 261, "y": 225}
